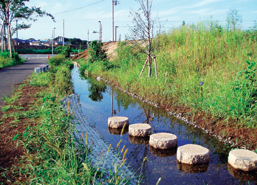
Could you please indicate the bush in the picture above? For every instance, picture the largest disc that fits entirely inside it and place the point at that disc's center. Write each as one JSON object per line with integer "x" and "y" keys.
{"x": 56, "y": 61}
{"x": 96, "y": 53}
{"x": 63, "y": 50}
{"x": 5, "y": 59}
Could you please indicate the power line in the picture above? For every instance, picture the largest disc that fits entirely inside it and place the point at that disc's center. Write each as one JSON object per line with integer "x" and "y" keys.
{"x": 78, "y": 8}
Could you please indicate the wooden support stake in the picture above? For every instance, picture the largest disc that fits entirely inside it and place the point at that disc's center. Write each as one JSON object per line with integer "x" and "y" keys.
{"x": 144, "y": 67}
{"x": 155, "y": 63}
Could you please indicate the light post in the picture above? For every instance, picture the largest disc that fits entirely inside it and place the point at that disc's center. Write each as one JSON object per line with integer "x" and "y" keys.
{"x": 100, "y": 31}
{"x": 53, "y": 41}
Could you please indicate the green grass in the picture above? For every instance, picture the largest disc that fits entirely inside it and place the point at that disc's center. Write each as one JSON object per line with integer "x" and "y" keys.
{"x": 5, "y": 59}
{"x": 224, "y": 60}
{"x": 53, "y": 155}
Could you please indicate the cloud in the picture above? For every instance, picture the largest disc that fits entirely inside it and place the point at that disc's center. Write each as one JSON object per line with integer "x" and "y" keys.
{"x": 193, "y": 6}
{"x": 203, "y": 3}
{"x": 200, "y": 11}
{"x": 169, "y": 12}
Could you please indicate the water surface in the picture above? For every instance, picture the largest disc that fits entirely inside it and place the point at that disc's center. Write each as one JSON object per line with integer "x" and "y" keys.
{"x": 96, "y": 103}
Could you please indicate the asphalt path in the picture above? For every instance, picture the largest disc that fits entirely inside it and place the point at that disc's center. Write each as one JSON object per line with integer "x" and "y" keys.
{"x": 11, "y": 77}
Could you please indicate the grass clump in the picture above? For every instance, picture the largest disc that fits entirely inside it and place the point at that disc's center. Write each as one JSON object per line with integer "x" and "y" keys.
{"x": 224, "y": 60}
{"x": 5, "y": 59}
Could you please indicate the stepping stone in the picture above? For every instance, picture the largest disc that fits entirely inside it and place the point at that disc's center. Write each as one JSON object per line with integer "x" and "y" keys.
{"x": 193, "y": 154}
{"x": 117, "y": 121}
{"x": 163, "y": 140}
{"x": 117, "y": 131}
{"x": 140, "y": 130}
{"x": 242, "y": 159}
{"x": 192, "y": 168}
{"x": 139, "y": 140}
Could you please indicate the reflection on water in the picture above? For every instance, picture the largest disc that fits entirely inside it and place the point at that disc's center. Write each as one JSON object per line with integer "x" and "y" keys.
{"x": 196, "y": 168}
{"x": 242, "y": 175}
{"x": 117, "y": 131}
{"x": 163, "y": 153}
{"x": 96, "y": 90}
{"x": 96, "y": 103}
{"x": 139, "y": 140}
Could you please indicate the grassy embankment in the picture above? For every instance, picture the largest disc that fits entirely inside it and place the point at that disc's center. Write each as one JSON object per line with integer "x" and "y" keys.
{"x": 6, "y": 60}
{"x": 52, "y": 154}
{"x": 224, "y": 60}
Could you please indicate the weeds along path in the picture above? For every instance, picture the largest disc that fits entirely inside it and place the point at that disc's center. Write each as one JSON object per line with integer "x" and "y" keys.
{"x": 10, "y": 77}
{"x": 12, "y": 121}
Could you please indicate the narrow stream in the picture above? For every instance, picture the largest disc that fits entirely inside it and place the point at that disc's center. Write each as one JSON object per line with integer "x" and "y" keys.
{"x": 95, "y": 99}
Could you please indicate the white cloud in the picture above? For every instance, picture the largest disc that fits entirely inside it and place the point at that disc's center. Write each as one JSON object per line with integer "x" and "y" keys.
{"x": 169, "y": 12}
{"x": 203, "y": 3}
{"x": 200, "y": 11}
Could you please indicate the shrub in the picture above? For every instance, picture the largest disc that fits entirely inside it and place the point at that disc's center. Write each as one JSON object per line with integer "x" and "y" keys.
{"x": 5, "y": 59}
{"x": 63, "y": 50}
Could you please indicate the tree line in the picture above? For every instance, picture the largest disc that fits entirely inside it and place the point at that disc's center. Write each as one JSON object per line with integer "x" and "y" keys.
{"x": 12, "y": 11}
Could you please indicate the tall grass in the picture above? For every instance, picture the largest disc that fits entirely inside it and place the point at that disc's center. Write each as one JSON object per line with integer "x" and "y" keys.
{"x": 224, "y": 60}
{"x": 5, "y": 59}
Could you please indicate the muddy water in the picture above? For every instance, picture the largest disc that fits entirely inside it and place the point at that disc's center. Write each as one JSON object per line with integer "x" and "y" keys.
{"x": 153, "y": 164}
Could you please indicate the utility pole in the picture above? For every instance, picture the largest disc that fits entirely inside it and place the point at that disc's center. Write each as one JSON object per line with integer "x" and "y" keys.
{"x": 53, "y": 41}
{"x": 63, "y": 34}
{"x": 17, "y": 30}
{"x": 100, "y": 31}
{"x": 114, "y": 3}
{"x": 87, "y": 35}
{"x": 116, "y": 33}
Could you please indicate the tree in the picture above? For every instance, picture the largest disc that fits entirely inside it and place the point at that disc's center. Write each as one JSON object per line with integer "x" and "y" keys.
{"x": 11, "y": 10}
{"x": 234, "y": 20}
{"x": 143, "y": 32}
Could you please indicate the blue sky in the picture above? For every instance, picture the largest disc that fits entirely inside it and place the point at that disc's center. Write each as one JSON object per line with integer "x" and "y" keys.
{"x": 89, "y": 12}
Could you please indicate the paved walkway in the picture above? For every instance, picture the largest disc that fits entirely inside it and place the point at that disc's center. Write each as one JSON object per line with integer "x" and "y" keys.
{"x": 10, "y": 77}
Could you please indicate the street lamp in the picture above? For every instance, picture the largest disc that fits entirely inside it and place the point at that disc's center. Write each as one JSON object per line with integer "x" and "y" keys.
{"x": 53, "y": 34}
{"x": 100, "y": 31}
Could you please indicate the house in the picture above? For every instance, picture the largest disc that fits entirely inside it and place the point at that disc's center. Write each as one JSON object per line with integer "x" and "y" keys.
{"x": 46, "y": 42}
{"x": 60, "y": 39}
{"x": 61, "y": 43}
{"x": 36, "y": 43}
{"x": 21, "y": 42}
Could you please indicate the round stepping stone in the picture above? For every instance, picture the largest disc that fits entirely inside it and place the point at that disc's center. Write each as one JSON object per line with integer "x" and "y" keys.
{"x": 190, "y": 168}
{"x": 163, "y": 140}
{"x": 139, "y": 140}
{"x": 193, "y": 154}
{"x": 242, "y": 159}
{"x": 117, "y": 131}
{"x": 140, "y": 130}
{"x": 117, "y": 121}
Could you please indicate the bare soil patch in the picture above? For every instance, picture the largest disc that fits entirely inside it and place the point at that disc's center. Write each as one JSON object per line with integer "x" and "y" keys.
{"x": 10, "y": 154}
